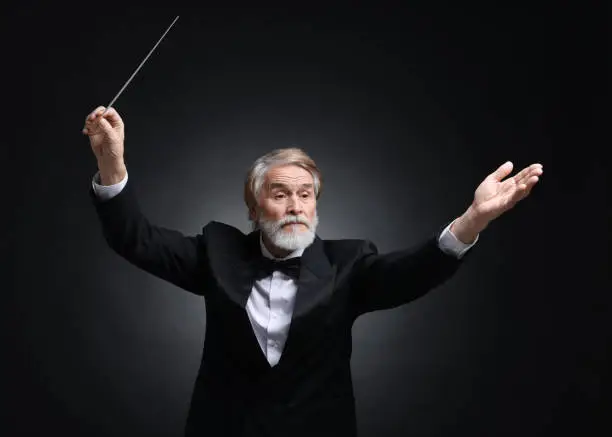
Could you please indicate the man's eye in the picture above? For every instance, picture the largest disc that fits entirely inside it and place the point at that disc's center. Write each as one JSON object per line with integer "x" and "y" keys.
{"x": 279, "y": 196}
{"x": 306, "y": 195}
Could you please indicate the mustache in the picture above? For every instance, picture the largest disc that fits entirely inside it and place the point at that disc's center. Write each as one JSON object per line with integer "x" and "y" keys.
{"x": 293, "y": 220}
{"x": 276, "y": 226}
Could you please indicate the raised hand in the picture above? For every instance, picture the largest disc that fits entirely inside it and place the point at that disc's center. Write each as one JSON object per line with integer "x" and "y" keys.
{"x": 106, "y": 134}
{"x": 496, "y": 195}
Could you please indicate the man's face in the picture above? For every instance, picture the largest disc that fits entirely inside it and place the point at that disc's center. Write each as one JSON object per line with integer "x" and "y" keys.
{"x": 287, "y": 210}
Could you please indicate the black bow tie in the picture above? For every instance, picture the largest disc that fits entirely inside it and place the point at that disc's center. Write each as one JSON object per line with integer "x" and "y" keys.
{"x": 290, "y": 267}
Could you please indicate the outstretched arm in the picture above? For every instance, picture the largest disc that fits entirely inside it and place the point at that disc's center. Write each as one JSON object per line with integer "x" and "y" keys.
{"x": 384, "y": 281}
{"x": 389, "y": 280}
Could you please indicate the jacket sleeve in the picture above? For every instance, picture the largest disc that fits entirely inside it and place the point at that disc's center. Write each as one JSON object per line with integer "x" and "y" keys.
{"x": 165, "y": 253}
{"x": 387, "y": 281}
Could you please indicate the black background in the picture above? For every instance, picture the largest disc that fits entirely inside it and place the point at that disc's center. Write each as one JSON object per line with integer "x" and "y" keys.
{"x": 405, "y": 110}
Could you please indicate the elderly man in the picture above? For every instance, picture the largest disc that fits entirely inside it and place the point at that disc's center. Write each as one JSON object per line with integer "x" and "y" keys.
{"x": 280, "y": 301}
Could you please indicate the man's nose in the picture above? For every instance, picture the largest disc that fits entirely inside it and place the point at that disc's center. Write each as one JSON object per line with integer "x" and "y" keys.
{"x": 295, "y": 205}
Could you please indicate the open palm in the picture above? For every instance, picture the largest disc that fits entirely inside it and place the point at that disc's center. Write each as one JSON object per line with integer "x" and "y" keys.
{"x": 494, "y": 195}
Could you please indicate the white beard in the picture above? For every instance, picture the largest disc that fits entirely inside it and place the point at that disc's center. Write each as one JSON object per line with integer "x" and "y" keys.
{"x": 289, "y": 239}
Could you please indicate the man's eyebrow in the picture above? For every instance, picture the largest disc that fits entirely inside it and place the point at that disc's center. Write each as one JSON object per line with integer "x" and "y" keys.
{"x": 274, "y": 185}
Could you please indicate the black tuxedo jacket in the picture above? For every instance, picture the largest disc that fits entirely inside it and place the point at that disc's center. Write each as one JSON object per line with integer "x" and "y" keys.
{"x": 309, "y": 392}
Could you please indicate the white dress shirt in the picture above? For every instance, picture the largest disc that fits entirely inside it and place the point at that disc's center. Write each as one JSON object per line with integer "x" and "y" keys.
{"x": 270, "y": 304}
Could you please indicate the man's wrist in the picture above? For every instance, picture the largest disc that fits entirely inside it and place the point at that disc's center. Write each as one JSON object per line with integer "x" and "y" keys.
{"x": 112, "y": 173}
{"x": 467, "y": 227}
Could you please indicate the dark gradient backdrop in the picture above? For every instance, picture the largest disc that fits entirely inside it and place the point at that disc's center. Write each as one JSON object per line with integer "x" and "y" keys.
{"x": 405, "y": 111}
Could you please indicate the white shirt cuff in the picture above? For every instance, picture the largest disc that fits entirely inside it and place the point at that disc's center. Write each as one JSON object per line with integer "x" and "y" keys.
{"x": 451, "y": 245}
{"x": 106, "y": 192}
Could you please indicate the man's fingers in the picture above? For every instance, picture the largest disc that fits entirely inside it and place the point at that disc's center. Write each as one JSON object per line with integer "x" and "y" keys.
{"x": 95, "y": 113}
{"x": 90, "y": 118}
{"x": 530, "y": 183}
{"x": 113, "y": 117}
{"x": 524, "y": 175}
{"x": 99, "y": 120}
{"x": 502, "y": 171}
{"x": 104, "y": 124}
{"x": 529, "y": 173}
{"x": 95, "y": 123}
{"x": 526, "y": 187}
{"x": 521, "y": 175}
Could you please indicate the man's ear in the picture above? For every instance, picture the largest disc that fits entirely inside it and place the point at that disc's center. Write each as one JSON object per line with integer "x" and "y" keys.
{"x": 253, "y": 213}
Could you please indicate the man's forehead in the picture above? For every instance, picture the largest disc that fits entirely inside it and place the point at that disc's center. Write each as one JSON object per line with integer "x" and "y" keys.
{"x": 290, "y": 176}
{"x": 305, "y": 183}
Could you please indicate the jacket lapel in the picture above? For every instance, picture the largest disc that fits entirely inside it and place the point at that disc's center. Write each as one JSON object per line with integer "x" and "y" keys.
{"x": 314, "y": 291}
{"x": 234, "y": 264}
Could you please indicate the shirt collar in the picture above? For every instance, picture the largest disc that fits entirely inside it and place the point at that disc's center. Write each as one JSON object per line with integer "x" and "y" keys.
{"x": 265, "y": 252}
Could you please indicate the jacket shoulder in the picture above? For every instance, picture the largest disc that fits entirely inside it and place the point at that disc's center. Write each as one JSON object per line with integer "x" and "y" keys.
{"x": 215, "y": 227}
{"x": 218, "y": 232}
{"x": 347, "y": 251}
{"x": 221, "y": 238}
